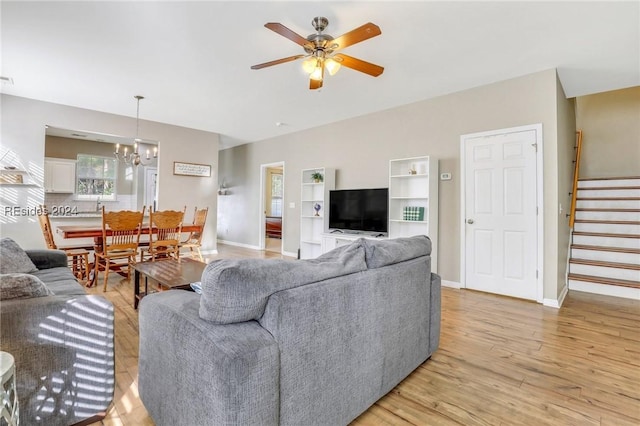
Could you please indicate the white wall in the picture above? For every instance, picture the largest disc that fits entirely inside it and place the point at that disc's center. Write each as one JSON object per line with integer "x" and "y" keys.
{"x": 23, "y": 132}
{"x": 360, "y": 150}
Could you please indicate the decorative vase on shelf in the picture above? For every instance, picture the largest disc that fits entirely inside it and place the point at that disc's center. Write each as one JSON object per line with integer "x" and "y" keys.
{"x": 317, "y": 208}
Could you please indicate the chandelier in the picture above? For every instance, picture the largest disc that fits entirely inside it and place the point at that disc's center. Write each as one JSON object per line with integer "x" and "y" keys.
{"x": 134, "y": 156}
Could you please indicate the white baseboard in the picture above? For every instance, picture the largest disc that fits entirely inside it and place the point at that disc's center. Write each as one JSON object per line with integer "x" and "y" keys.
{"x": 605, "y": 290}
{"x": 553, "y": 303}
{"x": 452, "y": 284}
{"x": 214, "y": 251}
{"x": 233, "y": 243}
{"x": 288, "y": 253}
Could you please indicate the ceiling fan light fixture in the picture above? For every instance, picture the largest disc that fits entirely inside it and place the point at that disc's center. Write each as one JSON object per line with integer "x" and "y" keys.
{"x": 318, "y": 72}
{"x": 332, "y": 66}
{"x": 308, "y": 65}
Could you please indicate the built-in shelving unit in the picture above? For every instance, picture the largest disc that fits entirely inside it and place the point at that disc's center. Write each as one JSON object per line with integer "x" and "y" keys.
{"x": 314, "y": 221}
{"x": 16, "y": 177}
{"x": 413, "y": 200}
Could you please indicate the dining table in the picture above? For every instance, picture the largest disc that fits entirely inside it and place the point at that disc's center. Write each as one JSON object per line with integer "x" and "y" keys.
{"x": 95, "y": 232}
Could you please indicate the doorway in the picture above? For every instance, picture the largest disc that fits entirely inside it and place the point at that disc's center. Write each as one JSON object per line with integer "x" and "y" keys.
{"x": 501, "y": 209}
{"x": 272, "y": 207}
{"x": 150, "y": 187}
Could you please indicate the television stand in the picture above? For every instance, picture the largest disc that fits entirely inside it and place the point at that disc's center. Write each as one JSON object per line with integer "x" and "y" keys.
{"x": 331, "y": 240}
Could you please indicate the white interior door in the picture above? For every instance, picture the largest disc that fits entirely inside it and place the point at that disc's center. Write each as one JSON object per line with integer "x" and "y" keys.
{"x": 500, "y": 213}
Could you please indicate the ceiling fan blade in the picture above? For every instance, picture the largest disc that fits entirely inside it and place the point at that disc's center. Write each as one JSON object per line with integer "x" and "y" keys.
{"x": 361, "y": 33}
{"x": 286, "y": 32}
{"x": 358, "y": 64}
{"x": 277, "y": 61}
{"x": 315, "y": 84}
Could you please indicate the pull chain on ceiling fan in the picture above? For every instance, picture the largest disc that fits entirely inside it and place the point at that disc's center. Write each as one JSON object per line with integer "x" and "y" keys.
{"x": 320, "y": 50}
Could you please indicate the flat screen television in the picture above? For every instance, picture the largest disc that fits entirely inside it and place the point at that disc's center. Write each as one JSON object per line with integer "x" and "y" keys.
{"x": 359, "y": 209}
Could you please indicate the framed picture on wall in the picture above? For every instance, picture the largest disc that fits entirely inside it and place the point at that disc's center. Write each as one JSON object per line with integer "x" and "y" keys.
{"x": 191, "y": 169}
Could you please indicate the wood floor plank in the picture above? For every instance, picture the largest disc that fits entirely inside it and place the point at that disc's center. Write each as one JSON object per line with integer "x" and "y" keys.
{"x": 501, "y": 361}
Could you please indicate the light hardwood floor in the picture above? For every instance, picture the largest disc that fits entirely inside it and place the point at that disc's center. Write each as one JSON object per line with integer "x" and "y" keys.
{"x": 501, "y": 361}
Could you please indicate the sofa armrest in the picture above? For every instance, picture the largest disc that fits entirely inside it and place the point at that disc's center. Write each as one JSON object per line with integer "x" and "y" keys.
{"x": 46, "y": 259}
{"x": 225, "y": 374}
{"x": 64, "y": 352}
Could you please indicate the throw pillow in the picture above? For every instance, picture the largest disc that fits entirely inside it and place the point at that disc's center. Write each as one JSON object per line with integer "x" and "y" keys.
{"x": 22, "y": 286}
{"x": 13, "y": 259}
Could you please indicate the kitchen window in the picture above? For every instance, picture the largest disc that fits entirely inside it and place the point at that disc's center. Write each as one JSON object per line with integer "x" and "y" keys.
{"x": 96, "y": 177}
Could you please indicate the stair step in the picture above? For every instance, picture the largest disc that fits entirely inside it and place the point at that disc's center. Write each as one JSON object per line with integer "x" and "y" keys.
{"x": 617, "y": 192}
{"x": 609, "y": 178}
{"x": 606, "y": 188}
{"x": 606, "y": 239}
{"x": 607, "y": 235}
{"x": 603, "y": 264}
{"x": 613, "y": 270}
{"x": 602, "y": 248}
{"x": 607, "y": 226}
{"x": 605, "y": 254}
{"x": 609, "y": 222}
{"x": 601, "y": 280}
{"x": 627, "y": 203}
{"x": 593, "y": 209}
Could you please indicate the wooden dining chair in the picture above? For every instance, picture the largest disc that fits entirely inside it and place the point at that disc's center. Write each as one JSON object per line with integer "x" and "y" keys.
{"x": 165, "y": 227}
{"x": 120, "y": 240}
{"x": 78, "y": 256}
{"x": 194, "y": 240}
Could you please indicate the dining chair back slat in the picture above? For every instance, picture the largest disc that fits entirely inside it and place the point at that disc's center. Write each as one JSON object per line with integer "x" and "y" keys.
{"x": 165, "y": 227}
{"x": 121, "y": 237}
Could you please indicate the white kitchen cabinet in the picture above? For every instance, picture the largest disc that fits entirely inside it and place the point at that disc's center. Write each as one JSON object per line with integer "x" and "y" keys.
{"x": 59, "y": 175}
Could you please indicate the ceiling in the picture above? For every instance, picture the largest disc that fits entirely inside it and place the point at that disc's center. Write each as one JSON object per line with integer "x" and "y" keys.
{"x": 192, "y": 60}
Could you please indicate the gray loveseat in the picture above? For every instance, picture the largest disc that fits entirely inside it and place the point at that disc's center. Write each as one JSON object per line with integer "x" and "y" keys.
{"x": 307, "y": 342}
{"x": 63, "y": 347}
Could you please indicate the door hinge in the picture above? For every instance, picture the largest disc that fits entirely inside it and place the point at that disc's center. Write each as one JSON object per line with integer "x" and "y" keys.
{"x": 536, "y": 210}
{"x": 535, "y": 145}
{"x": 536, "y": 273}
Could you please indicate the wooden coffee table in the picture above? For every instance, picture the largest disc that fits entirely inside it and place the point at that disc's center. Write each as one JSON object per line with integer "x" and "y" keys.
{"x": 168, "y": 274}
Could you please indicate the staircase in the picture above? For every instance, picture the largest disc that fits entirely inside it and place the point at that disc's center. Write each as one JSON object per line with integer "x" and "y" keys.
{"x": 605, "y": 249}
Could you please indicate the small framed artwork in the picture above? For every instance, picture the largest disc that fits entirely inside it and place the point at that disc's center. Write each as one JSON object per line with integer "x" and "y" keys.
{"x": 191, "y": 169}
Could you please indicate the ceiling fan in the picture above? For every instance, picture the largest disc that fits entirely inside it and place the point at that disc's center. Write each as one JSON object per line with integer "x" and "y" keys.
{"x": 321, "y": 50}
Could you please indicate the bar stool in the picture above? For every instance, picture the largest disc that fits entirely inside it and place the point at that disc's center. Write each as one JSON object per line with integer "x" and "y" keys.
{"x": 9, "y": 410}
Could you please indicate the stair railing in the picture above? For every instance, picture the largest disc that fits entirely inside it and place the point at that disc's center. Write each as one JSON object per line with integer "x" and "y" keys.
{"x": 576, "y": 172}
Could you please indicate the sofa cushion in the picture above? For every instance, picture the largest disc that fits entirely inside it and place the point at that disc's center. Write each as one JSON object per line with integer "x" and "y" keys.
{"x": 14, "y": 259}
{"x": 61, "y": 281}
{"x": 22, "y": 286}
{"x": 381, "y": 253}
{"x": 236, "y": 290}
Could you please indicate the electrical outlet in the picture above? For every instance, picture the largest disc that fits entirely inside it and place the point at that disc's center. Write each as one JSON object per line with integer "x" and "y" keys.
{"x": 445, "y": 176}
{"x": 292, "y": 205}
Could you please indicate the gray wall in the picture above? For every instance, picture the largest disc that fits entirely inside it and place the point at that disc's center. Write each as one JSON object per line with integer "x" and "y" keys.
{"x": 23, "y": 132}
{"x": 360, "y": 150}
{"x": 610, "y": 123}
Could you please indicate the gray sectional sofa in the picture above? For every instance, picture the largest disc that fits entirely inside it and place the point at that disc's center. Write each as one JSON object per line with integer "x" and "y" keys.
{"x": 283, "y": 342}
{"x": 62, "y": 342}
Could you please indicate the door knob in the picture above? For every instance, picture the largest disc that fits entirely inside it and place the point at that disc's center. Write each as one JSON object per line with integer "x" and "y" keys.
{"x": 470, "y": 221}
